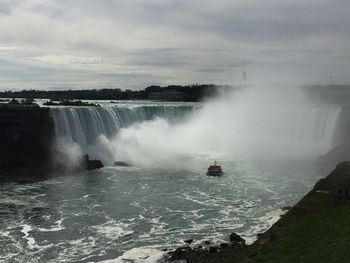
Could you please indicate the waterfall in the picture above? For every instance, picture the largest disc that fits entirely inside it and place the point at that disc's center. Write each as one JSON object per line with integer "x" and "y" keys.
{"x": 83, "y": 125}
{"x": 242, "y": 126}
{"x": 314, "y": 124}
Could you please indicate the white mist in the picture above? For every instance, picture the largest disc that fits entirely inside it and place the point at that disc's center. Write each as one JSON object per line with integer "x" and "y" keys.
{"x": 259, "y": 123}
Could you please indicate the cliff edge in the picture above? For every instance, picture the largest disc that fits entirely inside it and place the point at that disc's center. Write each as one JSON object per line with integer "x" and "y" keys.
{"x": 26, "y": 134}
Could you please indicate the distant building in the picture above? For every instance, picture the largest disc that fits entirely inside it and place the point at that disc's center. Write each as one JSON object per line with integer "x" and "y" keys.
{"x": 167, "y": 95}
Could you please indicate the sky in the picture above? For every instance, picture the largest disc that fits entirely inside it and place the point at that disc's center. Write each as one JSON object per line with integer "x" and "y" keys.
{"x": 74, "y": 44}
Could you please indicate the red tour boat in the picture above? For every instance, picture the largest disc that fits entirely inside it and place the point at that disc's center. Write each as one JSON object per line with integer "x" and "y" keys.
{"x": 215, "y": 170}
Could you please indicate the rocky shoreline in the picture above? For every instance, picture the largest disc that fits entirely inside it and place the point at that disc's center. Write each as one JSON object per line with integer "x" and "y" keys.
{"x": 235, "y": 245}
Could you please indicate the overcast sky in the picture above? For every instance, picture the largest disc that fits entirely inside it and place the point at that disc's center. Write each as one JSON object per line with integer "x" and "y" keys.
{"x": 55, "y": 44}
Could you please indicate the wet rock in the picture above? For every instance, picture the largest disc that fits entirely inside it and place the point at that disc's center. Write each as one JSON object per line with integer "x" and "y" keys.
{"x": 213, "y": 249}
{"x": 119, "y": 163}
{"x": 179, "y": 254}
{"x": 224, "y": 245}
{"x": 184, "y": 248}
{"x": 236, "y": 239}
{"x": 259, "y": 234}
{"x": 188, "y": 241}
{"x": 92, "y": 164}
{"x": 286, "y": 208}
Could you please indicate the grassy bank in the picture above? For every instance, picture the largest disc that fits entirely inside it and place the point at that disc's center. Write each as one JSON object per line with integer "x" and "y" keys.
{"x": 315, "y": 238}
{"x": 316, "y": 229}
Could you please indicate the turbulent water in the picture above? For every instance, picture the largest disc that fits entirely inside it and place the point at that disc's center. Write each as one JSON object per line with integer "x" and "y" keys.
{"x": 165, "y": 197}
{"x": 84, "y": 125}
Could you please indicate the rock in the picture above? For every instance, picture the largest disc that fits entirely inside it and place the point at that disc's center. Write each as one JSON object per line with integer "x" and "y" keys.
{"x": 92, "y": 164}
{"x": 188, "y": 241}
{"x": 179, "y": 253}
{"x": 119, "y": 163}
{"x": 224, "y": 245}
{"x": 213, "y": 249}
{"x": 184, "y": 248}
{"x": 236, "y": 239}
{"x": 207, "y": 242}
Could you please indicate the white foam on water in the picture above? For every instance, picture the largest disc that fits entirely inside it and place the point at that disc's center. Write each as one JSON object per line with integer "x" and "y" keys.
{"x": 263, "y": 224}
{"x": 47, "y": 217}
{"x": 58, "y": 225}
{"x": 72, "y": 250}
{"x": 113, "y": 229}
{"x": 139, "y": 255}
{"x": 272, "y": 217}
{"x": 5, "y": 233}
{"x": 30, "y": 241}
{"x": 11, "y": 201}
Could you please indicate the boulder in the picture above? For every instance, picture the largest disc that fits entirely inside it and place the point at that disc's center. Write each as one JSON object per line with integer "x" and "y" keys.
{"x": 224, "y": 245}
{"x": 120, "y": 163}
{"x": 179, "y": 254}
{"x": 188, "y": 241}
{"x": 213, "y": 249}
{"x": 236, "y": 239}
{"x": 92, "y": 164}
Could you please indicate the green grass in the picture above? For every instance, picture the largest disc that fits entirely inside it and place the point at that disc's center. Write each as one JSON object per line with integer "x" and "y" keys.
{"x": 321, "y": 238}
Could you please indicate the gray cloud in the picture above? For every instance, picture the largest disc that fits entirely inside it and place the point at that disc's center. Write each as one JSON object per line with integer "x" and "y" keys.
{"x": 172, "y": 41}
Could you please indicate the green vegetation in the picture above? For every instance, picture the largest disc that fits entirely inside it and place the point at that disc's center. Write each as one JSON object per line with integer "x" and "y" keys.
{"x": 70, "y": 103}
{"x": 18, "y": 103}
{"x": 314, "y": 238}
{"x": 189, "y": 93}
{"x": 27, "y": 101}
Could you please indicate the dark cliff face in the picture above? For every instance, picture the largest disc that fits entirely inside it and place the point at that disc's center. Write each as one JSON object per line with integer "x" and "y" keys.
{"x": 26, "y": 134}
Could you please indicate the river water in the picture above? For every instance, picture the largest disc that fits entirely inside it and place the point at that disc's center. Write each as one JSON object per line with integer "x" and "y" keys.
{"x": 101, "y": 214}
{"x": 164, "y": 197}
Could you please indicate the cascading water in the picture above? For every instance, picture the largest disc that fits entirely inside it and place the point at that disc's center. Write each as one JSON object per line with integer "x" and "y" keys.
{"x": 84, "y": 125}
{"x": 240, "y": 125}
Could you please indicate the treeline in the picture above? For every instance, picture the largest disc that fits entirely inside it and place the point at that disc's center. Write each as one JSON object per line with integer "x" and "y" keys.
{"x": 335, "y": 94}
{"x": 189, "y": 92}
